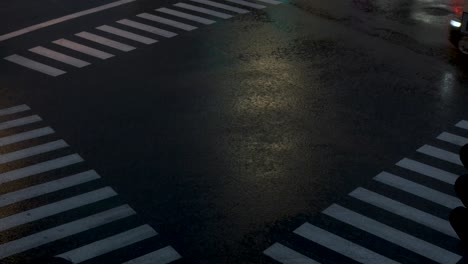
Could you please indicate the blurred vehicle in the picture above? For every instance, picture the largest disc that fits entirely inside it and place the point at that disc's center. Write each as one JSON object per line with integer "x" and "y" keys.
{"x": 459, "y": 27}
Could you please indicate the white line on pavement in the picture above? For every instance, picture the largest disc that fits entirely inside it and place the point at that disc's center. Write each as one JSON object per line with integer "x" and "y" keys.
{"x": 440, "y": 154}
{"x": 404, "y": 210}
{"x": 341, "y": 245}
{"x": 245, "y": 3}
{"x": 48, "y": 187}
{"x": 63, "y": 19}
{"x": 160, "y": 256}
{"x": 392, "y": 235}
{"x": 34, "y": 65}
{"x": 59, "y": 57}
{"x": 105, "y": 41}
{"x": 109, "y": 244}
{"x": 285, "y": 255}
{"x": 147, "y": 28}
{"x": 166, "y": 21}
{"x": 14, "y": 110}
{"x": 418, "y": 190}
{"x": 32, "y": 151}
{"x": 186, "y": 16}
{"x": 273, "y": 2}
{"x": 454, "y": 139}
{"x": 203, "y": 10}
{"x": 126, "y": 34}
{"x": 40, "y": 168}
{"x": 83, "y": 49}
{"x": 427, "y": 170}
{"x": 4, "y": 141}
{"x": 20, "y": 122}
{"x": 65, "y": 230}
{"x": 222, "y": 6}
{"x": 462, "y": 124}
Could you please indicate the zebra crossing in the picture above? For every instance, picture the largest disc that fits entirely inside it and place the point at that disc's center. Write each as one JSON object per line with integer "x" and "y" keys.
{"x": 125, "y": 34}
{"x": 405, "y": 209}
{"x": 50, "y": 202}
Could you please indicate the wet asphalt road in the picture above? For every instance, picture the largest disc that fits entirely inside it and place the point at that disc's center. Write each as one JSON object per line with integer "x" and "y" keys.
{"x": 226, "y": 137}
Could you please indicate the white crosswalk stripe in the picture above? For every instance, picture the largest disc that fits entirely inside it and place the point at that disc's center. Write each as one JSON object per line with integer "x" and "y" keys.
{"x": 83, "y": 49}
{"x": 462, "y": 124}
{"x": 454, "y": 139}
{"x": 40, "y": 132}
{"x": 161, "y": 256}
{"x": 404, "y": 210}
{"x": 186, "y": 16}
{"x": 59, "y": 57}
{"x": 34, "y": 65}
{"x": 20, "y": 122}
{"x": 440, "y": 154}
{"x": 14, "y": 110}
{"x": 166, "y": 21}
{"x": 32, "y": 151}
{"x": 285, "y": 255}
{"x": 222, "y": 6}
{"x": 109, "y": 244}
{"x": 126, "y": 34}
{"x": 427, "y": 170}
{"x": 203, "y": 10}
{"x": 147, "y": 28}
{"x": 105, "y": 41}
{"x": 273, "y": 2}
{"x": 341, "y": 245}
{"x": 392, "y": 235}
{"x": 245, "y": 3}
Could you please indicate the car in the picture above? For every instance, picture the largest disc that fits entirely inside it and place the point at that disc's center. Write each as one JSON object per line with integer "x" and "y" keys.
{"x": 458, "y": 33}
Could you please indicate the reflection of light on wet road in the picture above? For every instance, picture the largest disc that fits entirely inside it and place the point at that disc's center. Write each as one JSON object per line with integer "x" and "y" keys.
{"x": 447, "y": 84}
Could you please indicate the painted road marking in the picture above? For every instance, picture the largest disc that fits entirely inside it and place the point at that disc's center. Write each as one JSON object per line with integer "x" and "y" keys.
{"x": 404, "y": 210}
{"x": 14, "y": 110}
{"x": 109, "y": 244}
{"x": 105, "y": 41}
{"x": 59, "y": 57}
{"x": 55, "y": 208}
{"x": 245, "y": 3}
{"x": 222, "y": 6}
{"x": 440, "y": 154}
{"x": 126, "y": 34}
{"x": 40, "y": 132}
{"x": 203, "y": 10}
{"x": 186, "y": 16}
{"x": 147, "y": 28}
{"x": 392, "y": 235}
{"x": 63, "y": 19}
{"x": 48, "y": 187}
{"x": 418, "y": 190}
{"x": 34, "y": 65}
{"x": 20, "y": 122}
{"x": 65, "y": 230}
{"x": 166, "y": 21}
{"x": 454, "y": 139}
{"x": 341, "y": 245}
{"x": 462, "y": 124}
{"x": 427, "y": 170}
{"x": 285, "y": 255}
{"x": 40, "y": 168}
{"x": 32, "y": 151}
{"x": 273, "y": 2}
{"x": 83, "y": 49}
{"x": 161, "y": 256}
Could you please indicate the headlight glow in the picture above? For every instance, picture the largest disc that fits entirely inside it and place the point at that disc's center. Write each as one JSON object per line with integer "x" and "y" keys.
{"x": 455, "y": 23}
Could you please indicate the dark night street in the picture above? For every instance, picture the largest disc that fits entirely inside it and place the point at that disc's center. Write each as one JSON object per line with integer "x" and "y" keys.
{"x": 230, "y": 131}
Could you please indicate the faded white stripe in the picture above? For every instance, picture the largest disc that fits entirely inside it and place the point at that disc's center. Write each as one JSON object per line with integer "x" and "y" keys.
{"x": 65, "y": 230}
{"x": 83, "y": 49}
{"x": 20, "y": 122}
{"x": 14, "y": 110}
{"x": 48, "y": 187}
{"x": 166, "y": 21}
{"x": 203, "y": 10}
{"x": 285, "y": 255}
{"x": 404, "y": 210}
{"x": 105, "y": 41}
{"x": 454, "y": 139}
{"x": 392, "y": 235}
{"x": 440, "y": 154}
{"x": 222, "y": 6}
{"x": 34, "y": 65}
{"x": 147, "y": 28}
{"x": 126, "y": 34}
{"x": 427, "y": 170}
{"x": 109, "y": 244}
{"x": 32, "y": 151}
{"x": 245, "y": 3}
{"x": 462, "y": 124}
{"x": 40, "y": 168}
{"x": 4, "y": 141}
{"x": 186, "y": 16}
{"x": 59, "y": 57}
{"x": 161, "y": 256}
{"x": 418, "y": 190}
{"x": 273, "y": 2}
